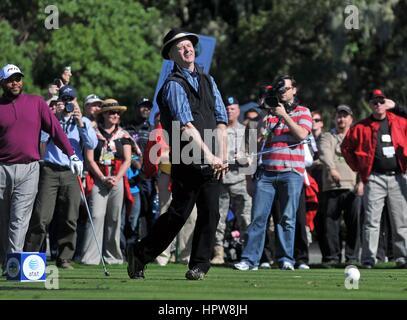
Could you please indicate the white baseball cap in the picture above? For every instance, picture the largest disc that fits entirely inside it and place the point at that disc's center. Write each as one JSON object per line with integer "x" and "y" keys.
{"x": 92, "y": 98}
{"x": 8, "y": 70}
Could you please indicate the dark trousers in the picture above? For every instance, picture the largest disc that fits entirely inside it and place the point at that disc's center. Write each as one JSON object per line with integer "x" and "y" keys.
{"x": 269, "y": 247}
{"x": 319, "y": 222}
{"x": 336, "y": 202}
{"x": 58, "y": 191}
{"x": 147, "y": 193}
{"x": 190, "y": 186}
{"x": 301, "y": 240}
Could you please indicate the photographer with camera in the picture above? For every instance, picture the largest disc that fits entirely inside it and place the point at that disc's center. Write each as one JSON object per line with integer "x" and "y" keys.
{"x": 64, "y": 78}
{"x": 58, "y": 83}
{"x": 280, "y": 173}
{"x": 58, "y": 189}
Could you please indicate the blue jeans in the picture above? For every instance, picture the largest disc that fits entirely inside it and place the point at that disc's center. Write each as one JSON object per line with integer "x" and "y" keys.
{"x": 287, "y": 186}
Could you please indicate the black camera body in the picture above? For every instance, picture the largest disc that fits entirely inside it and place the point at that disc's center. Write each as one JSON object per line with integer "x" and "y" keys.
{"x": 272, "y": 99}
{"x": 69, "y": 107}
{"x": 134, "y": 181}
{"x": 58, "y": 82}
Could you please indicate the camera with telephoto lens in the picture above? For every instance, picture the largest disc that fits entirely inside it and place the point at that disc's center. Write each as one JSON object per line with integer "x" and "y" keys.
{"x": 272, "y": 99}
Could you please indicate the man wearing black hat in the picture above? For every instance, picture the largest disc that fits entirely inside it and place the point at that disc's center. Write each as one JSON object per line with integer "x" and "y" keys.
{"x": 376, "y": 148}
{"x": 58, "y": 189}
{"x": 341, "y": 192}
{"x": 189, "y": 103}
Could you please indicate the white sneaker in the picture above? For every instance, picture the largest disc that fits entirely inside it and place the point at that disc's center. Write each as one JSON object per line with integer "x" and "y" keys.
{"x": 287, "y": 266}
{"x": 265, "y": 265}
{"x": 303, "y": 266}
{"x": 244, "y": 266}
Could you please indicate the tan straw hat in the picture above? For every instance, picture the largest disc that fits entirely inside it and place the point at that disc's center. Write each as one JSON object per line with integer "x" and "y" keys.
{"x": 111, "y": 104}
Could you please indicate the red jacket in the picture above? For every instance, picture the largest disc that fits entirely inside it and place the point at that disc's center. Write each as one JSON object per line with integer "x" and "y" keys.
{"x": 311, "y": 201}
{"x": 359, "y": 145}
{"x": 150, "y": 168}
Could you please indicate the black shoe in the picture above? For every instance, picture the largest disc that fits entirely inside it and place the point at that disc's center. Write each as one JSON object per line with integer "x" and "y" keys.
{"x": 195, "y": 274}
{"x": 401, "y": 265}
{"x": 135, "y": 268}
{"x": 367, "y": 266}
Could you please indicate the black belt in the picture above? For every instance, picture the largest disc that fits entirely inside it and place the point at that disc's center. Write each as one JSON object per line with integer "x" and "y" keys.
{"x": 56, "y": 167}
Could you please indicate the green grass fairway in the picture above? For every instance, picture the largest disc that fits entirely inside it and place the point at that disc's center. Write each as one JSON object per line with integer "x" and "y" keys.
{"x": 168, "y": 283}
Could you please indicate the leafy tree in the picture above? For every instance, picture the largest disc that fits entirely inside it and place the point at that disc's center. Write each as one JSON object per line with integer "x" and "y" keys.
{"x": 111, "y": 46}
{"x": 20, "y": 54}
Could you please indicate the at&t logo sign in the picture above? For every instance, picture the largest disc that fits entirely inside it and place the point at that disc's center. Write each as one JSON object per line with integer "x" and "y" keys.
{"x": 33, "y": 267}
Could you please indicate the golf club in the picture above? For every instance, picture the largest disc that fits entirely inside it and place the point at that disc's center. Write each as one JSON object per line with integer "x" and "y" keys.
{"x": 307, "y": 141}
{"x": 91, "y": 223}
{"x": 266, "y": 151}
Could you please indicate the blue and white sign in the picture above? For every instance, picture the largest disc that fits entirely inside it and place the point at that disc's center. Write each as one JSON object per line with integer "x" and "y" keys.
{"x": 203, "y": 57}
{"x": 26, "y": 266}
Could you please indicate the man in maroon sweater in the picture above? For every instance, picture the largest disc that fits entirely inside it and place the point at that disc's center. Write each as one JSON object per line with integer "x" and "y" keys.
{"x": 22, "y": 117}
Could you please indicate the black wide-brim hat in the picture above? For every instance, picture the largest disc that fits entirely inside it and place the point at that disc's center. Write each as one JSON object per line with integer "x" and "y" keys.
{"x": 174, "y": 35}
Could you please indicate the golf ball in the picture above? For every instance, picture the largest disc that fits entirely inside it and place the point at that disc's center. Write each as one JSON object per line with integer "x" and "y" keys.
{"x": 352, "y": 273}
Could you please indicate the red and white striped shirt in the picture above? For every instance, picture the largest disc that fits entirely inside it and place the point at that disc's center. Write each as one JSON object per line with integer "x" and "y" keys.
{"x": 286, "y": 159}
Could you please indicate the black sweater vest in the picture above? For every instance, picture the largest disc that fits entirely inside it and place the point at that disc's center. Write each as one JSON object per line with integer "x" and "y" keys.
{"x": 202, "y": 104}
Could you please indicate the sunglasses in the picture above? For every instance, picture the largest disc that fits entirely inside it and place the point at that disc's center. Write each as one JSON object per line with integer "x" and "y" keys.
{"x": 377, "y": 101}
{"x": 317, "y": 120}
{"x": 112, "y": 112}
{"x": 16, "y": 78}
{"x": 284, "y": 89}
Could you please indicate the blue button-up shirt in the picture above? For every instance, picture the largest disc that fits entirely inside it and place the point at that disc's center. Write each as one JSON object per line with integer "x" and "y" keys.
{"x": 75, "y": 134}
{"x": 177, "y": 100}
